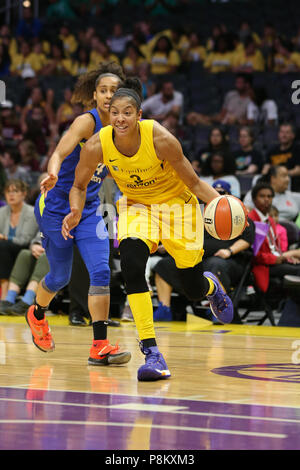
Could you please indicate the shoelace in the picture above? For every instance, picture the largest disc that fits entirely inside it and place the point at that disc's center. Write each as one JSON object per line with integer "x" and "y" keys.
{"x": 221, "y": 302}
{"x": 104, "y": 351}
{"x": 151, "y": 357}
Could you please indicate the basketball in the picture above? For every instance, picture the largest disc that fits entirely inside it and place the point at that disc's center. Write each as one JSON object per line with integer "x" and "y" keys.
{"x": 225, "y": 217}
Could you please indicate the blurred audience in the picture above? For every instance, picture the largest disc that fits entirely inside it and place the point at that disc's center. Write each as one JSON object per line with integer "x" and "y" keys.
{"x": 159, "y": 105}
{"x": 248, "y": 160}
{"x": 17, "y": 228}
{"x": 29, "y": 268}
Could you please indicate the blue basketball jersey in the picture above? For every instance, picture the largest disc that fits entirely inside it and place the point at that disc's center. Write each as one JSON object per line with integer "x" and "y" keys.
{"x": 67, "y": 171}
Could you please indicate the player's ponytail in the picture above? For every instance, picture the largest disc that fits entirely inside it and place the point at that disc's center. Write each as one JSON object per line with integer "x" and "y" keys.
{"x": 131, "y": 87}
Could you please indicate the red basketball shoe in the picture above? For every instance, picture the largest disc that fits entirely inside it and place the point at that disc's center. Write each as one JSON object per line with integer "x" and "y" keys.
{"x": 102, "y": 354}
{"x": 40, "y": 330}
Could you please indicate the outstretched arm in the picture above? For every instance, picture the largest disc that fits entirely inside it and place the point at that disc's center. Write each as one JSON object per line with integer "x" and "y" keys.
{"x": 168, "y": 148}
{"x": 90, "y": 157}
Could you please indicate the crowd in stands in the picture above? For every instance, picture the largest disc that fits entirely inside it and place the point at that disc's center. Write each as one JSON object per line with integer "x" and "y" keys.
{"x": 203, "y": 89}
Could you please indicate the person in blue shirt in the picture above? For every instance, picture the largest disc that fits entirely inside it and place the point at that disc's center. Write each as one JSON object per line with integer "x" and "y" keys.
{"x": 90, "y": 236}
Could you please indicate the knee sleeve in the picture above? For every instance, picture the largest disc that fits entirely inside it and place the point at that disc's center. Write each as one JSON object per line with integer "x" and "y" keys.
{"x": 134, "y": 255}
{"x": 99, "y": 290}
{"x": 100, "y": 278}
{"x": 194, "y": 283}
{"x": 55, "y": 281}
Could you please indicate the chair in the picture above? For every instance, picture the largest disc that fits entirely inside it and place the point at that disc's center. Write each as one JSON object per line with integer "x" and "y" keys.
{"x": 293, "y": 232}
{"x": 262, "y": 300}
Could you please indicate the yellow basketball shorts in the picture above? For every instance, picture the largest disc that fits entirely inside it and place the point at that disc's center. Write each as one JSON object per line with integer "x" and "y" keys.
{"x": 177, "y": 224}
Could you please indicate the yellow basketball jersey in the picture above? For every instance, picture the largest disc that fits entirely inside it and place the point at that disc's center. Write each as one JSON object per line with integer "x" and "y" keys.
{"x": 143, "y": 178}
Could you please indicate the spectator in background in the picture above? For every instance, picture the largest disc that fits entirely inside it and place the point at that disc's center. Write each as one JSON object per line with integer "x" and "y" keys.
{"x": 235, "y": 104}
{"x": 9, "y": 123}
{"x": 178, "y": 38}
{"x": 139, "y": 40}
{"x": 38, "y": 98}
{"x": 216, "y": 32}
{"x": 81, "y": 61}
{"x": 8, "y": 40}
{"x": 268, "y": 39}
{"x": 283, "y": 59}
{"x": 37, "y": 129}
{"x": 159, "y": 105}
{"x": 262, "y": 110}
{"x": 23, "y": 60}
{"x": 30, "y": 81}
{"x": 221, "y": 58}
{"x": 148, "y": 85}
{"x": 39, "y": 58}
{"x": 17, "y": 228}
{"x": 133, "y": 59}
{"x": 245, "y": 31}
{"x": 65, "y": 112}
{"x": 287, "y": 152}
{"x": 35, "y": 189}
{"x": 11, "y": 159}
{"x": 28, "y": 27}
{"x": 217, "y": 141}
{"x": 118, "y": 40}
{"x": 281, "y": 231}
{"x": 57, "y": 63}
{"x": 164, "y": 58}
{"x": 234, "y": 109}
{"x": 30, "y": 267}
{"x": 100, "y": 52}
{"x": 269, "y": 261}
{"x": 248, "y": 160}
{"x": 249, "y": 59}
{"x": 287, "y": 202}
{"x": 30, "y": 159}
{"x": 195, "y": 52}
{"x": 172, "y": 123}
{"x": 68, "y": 40}
{"x": 296, "y": 40}
{"x": 221, "y": 166}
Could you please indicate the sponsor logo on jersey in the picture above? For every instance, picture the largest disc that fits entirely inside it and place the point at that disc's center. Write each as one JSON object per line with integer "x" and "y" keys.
{"x": 139, "y": 183}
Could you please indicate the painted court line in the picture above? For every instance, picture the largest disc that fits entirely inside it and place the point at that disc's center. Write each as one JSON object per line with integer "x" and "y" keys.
{"x": 155, "y": 408}
{"x": 150, "y": 426}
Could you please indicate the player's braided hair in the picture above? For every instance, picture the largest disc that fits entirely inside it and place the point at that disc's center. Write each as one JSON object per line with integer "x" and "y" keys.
{"x": 86, "y": 84}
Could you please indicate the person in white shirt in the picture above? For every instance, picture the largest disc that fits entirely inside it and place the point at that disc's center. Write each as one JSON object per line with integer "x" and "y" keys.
{"x": 287, "y": 202}
{"x": 262, "y": 110}
{"x": 159, "y": 105}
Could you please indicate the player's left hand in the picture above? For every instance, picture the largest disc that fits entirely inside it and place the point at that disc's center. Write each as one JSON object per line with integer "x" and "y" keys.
{"x": 70, "y": 221}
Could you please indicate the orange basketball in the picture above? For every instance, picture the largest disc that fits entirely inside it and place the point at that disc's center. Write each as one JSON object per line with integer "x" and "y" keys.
{"x": 225, "y": 217}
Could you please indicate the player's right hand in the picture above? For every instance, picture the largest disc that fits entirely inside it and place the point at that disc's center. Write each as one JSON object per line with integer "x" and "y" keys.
{"x": 70, "y": 221}
{"x": 48, "y": 183}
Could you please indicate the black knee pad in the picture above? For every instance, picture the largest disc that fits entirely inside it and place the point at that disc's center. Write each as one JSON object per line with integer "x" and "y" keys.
{"x": 134, "y": 255}
{"x": 194, "y": 283}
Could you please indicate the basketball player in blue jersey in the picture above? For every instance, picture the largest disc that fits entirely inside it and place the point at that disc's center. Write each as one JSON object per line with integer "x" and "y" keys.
{"x": 52, "y": 206}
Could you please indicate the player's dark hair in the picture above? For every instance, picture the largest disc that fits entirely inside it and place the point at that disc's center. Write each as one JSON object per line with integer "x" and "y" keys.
{"x": 87, "y": 83}
{"x": 130, "y": 88}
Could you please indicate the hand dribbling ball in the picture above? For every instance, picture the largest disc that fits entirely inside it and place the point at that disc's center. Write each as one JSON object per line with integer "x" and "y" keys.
{"x": 225, "y": 217}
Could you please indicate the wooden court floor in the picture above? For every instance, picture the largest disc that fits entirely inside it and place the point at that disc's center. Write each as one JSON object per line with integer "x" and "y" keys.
{"x": 232, "y": 387}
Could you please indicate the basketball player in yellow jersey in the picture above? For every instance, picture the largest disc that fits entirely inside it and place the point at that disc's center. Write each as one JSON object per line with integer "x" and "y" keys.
{"x": 159, "y": 203}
